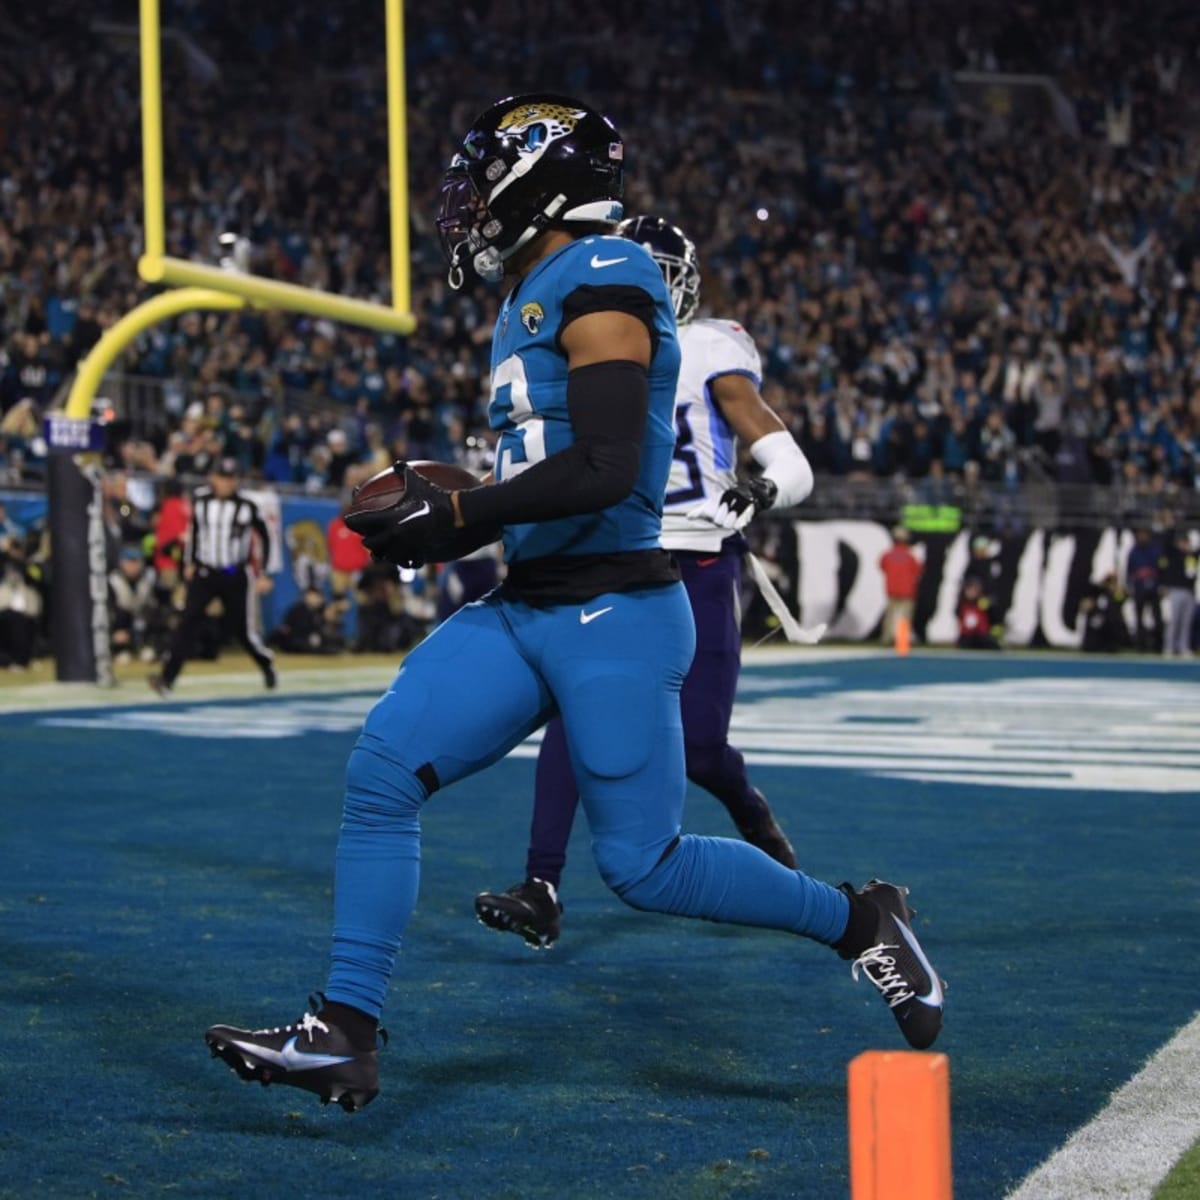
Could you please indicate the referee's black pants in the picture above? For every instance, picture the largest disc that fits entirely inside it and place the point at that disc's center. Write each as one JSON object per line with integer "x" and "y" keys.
{"x": 231, "y": 586}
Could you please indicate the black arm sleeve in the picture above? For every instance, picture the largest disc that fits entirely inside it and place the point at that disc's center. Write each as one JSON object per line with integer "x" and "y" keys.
{"x": 607, "y": 403}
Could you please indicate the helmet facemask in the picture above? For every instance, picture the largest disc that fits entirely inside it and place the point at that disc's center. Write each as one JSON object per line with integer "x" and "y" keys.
{"x": 675, "y": 254}
{"x": 471, "y": 233}
{"x": 683, "y": 282}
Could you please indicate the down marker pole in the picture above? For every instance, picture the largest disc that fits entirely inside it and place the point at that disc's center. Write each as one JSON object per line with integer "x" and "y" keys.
{"x": 900, "y": 1126}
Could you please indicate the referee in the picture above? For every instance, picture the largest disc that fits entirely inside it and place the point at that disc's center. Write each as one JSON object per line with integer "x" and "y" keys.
{"x": 220, "y": 544}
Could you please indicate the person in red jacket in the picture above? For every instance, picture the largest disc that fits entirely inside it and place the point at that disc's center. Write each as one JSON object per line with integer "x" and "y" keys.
{"x": 901, "y": 577}
{"x": 347, "y": 557}
{"x": 974, "y": 624}
{"x": 170, "y": 533}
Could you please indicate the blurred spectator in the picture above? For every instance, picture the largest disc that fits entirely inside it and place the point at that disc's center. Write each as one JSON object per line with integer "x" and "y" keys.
{"x": 985, "y": 569}
{"x": 311, "y": 625}
{"x": 1142, "y": 582}
{"x": 1104, "y": 629}
{"x": 931, "y": 279}
{"x": 21, "y": 588}
{"x": 974, "y": 624}
{"x": 135, "y": 618}
{"x": 348, "y": 557}
{"x": 901, "y": 577}
{"x": 1179, "y": 567}
{"x": 393, "y": 614}
{"x": 170, "y": 535}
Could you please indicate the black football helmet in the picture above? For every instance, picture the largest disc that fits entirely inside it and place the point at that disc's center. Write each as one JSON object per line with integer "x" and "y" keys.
{"x": 675, "y": 254}
{"x": 528, "y": 162}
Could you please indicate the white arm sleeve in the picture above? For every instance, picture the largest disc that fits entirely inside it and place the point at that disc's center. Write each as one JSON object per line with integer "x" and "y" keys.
{"x": 784, "y": 464}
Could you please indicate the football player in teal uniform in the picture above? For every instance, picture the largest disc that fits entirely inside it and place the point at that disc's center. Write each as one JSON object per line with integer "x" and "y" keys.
{"x": 591, "y": 623}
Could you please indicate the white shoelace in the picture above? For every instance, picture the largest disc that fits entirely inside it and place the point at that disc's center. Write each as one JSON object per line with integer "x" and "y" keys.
{"x": 880, "y": 968}
{"x": 307, "y": 1024}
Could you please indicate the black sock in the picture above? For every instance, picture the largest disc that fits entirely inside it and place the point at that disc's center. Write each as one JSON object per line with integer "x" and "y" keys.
{"x": 860, "y": 928}
{"x": 353, "y": 1022}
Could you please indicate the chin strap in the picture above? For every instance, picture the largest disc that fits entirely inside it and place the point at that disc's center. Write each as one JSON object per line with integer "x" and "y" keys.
{"x": 489, "y": 262}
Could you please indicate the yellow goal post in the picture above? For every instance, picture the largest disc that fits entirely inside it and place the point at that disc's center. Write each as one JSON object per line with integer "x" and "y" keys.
{"x": 79, "y": 616}
{"x": 204, "y": 286}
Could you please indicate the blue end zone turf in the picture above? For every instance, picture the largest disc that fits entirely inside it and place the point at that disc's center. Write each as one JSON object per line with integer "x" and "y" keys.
{"x": 165, "y": 867}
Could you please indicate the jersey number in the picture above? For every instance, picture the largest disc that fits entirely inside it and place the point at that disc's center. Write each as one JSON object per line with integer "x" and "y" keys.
{"x": 522, "y": 431}
{"x": 686, "y": 455}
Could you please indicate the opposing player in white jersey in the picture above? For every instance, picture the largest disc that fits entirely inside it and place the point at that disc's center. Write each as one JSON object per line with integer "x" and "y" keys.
{"x": 717, "y": 406}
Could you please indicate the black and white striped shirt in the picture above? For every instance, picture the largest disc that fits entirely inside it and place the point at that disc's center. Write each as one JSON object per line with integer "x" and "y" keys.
{"x": 223, "y": 531}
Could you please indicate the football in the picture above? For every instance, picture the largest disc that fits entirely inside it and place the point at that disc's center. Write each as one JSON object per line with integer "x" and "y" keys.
{"x": 386, "y": 489}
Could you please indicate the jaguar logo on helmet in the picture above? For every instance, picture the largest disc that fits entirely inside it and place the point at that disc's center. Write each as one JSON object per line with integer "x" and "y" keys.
{"x": 540, "y": 123}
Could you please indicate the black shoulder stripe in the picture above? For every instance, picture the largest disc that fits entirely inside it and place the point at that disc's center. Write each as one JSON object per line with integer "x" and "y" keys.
{"x": 611, "y": 297}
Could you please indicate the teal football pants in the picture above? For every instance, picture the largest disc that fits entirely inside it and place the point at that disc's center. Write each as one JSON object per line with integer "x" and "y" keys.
{"x": 476, "y": 687}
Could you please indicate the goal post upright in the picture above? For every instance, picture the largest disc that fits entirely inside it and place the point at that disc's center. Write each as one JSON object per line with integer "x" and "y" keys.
{"x": 195, "y": 286}
{"x": 150, "y": 53}
{"x": 397, "y": 154}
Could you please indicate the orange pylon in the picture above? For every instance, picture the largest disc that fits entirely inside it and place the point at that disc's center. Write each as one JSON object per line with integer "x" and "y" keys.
{"x": 900, "y": 1126}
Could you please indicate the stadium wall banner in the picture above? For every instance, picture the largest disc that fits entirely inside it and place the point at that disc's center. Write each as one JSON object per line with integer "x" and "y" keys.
{"x": 299, "y": 551}
{"x": 829, "y": 571}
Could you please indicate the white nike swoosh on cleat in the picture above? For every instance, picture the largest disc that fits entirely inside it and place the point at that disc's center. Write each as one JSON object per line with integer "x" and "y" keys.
{"x": 290, "y": 1058}
{"x": 586, "y": 617}
{"x": 598, "y": 262}
{"x": 412, "y": 516}
{"x": 933, "y": 997}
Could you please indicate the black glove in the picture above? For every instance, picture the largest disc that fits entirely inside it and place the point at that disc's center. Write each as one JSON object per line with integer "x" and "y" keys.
{"x": 736, "y": 507}
{"x": 410, "y": 533}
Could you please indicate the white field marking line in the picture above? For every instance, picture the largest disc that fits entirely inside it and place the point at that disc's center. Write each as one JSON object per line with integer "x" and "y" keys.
{"x": 1129, "y": 1148}
{"x": 242, "y": 685}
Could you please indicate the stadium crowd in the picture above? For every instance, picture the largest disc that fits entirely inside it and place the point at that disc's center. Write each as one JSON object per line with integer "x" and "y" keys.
{"x": 942, "y": 280}
{"x": 949, "y": 282}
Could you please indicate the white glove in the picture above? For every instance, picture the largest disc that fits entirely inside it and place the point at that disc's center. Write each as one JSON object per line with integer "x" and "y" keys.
{"x": 735, "y": 508}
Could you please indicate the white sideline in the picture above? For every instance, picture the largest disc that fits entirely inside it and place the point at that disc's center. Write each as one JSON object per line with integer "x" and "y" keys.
{"x": 1129, "y": 1148}
{"x": 247, "y": 683}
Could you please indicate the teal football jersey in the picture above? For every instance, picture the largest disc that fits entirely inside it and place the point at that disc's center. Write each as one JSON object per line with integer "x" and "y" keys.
{"x": 528, "y": 405}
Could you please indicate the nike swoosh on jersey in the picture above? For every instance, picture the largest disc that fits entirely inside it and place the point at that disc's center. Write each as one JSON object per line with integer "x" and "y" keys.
{"x": 586, "y": 617}
{"x": 598, "y": 262}
{"x": 933, "y": 997}
{"x": 707, "y": 562}
{"x": 419, "y": 512}
{"x": 292, "y": 1059}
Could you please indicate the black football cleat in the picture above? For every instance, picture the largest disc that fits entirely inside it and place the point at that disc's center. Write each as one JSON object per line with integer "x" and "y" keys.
{"x": 896, "y": 964}
{"x": 158, "y": 684}
{"x": 311, "y": 1054}
{"x": 530, "y": 908}
{"x": 270, "y": 679}
{"x": 764, "y": 832}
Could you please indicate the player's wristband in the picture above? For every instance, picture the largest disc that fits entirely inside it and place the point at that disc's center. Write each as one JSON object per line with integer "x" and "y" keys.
{"x": 785, "y": 465}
